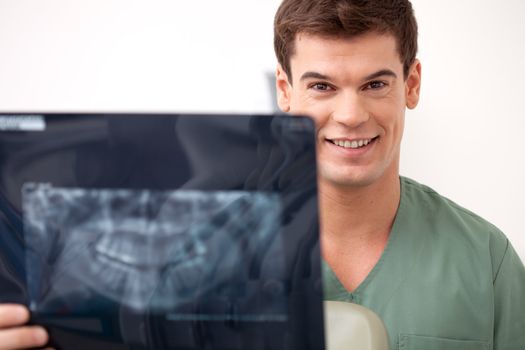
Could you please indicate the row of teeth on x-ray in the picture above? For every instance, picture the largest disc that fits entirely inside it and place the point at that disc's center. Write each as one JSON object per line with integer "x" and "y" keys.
{"x": 145, "y": 249}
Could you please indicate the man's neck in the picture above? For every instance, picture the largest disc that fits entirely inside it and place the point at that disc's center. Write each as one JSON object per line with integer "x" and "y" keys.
{"x": 355, "y": 226}
{"x": 359, "y": 213}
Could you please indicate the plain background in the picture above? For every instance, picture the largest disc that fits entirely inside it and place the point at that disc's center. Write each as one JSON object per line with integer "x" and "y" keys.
{"x": 464, "y": 139}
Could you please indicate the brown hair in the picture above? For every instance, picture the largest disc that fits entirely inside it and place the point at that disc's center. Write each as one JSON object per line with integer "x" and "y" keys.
{"x": 344, "y": 18}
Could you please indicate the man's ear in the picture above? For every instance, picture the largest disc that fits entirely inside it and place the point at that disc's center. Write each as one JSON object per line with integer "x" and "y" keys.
{"x": 283, "y": 88}
{"x": 413, "y": 85}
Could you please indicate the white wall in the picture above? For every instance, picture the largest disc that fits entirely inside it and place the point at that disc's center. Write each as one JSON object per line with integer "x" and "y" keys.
{"x": 127, "y": 55}
{"x": 465, "y": 139}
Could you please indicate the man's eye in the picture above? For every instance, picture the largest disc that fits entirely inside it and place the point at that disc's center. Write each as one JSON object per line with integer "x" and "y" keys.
{"x": 320, "y": 87}
{"x": 375, "y": 85}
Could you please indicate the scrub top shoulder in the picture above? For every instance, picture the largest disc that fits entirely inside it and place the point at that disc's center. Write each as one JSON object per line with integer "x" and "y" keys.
{"x": 447, "y": 279}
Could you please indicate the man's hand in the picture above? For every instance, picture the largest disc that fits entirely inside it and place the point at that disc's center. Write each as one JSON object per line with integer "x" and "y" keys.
{"x": 14, "y": 334}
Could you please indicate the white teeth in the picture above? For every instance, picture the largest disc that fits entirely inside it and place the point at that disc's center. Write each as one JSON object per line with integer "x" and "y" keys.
{"x": 352, "y": 144}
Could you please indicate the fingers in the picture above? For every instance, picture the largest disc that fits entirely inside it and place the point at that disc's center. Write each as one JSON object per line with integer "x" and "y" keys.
{"x": 15, "y": 336}
{"x": 13, "y": 315}
{"x": 22, "y": 337}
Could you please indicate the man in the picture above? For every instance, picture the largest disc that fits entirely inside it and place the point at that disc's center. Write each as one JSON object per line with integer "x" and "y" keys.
{"x": 439, "y": 276}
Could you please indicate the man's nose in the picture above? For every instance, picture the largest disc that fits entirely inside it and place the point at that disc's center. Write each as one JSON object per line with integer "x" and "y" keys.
{"x": 350, "y": 110}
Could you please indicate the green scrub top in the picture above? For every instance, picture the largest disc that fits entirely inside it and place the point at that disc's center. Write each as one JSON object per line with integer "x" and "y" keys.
{"x": 446, "y": 280}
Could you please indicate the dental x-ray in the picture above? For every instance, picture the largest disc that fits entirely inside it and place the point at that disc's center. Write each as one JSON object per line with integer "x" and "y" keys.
{"x": 162, "y": 231}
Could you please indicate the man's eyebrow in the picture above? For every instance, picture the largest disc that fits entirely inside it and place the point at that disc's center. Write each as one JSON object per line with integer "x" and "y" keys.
{"x": 379, "y": 73}
{"x": 314, "y": 75}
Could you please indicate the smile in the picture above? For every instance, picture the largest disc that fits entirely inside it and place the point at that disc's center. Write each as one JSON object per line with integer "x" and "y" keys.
{"x": 353, "y": 144}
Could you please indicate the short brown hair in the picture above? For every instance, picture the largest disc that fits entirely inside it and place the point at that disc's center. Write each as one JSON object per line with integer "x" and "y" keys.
{"x": 345, "y": 18}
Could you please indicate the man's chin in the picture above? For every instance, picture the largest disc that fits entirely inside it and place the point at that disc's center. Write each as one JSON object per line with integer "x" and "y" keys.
{"x": 347, "y": 181}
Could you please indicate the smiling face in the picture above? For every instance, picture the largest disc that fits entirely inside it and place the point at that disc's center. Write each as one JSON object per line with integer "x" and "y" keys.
{"x": 356, "y": 92}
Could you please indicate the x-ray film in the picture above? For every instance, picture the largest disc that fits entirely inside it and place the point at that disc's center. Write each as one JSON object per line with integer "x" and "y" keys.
{"x": 162, "y": 231}
{"x": 149, "y": 250}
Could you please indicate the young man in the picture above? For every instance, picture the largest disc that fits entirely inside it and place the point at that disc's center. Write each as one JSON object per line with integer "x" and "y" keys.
{"x": 439, "y": 276}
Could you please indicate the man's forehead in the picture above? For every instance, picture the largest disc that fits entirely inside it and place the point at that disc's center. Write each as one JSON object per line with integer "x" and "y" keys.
{"x": 365, "y": 54}
{"x": 369, "y": 42}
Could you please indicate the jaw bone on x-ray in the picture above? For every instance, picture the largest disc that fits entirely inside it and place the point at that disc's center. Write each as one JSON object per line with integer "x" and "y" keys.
{"x": 148, "y": 250}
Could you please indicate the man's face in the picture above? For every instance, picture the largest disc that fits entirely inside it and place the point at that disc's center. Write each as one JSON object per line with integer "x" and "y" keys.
{"x": 356, "y": 92}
